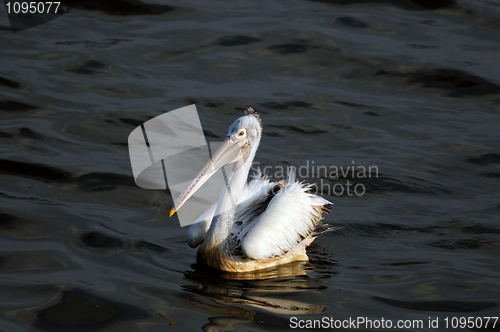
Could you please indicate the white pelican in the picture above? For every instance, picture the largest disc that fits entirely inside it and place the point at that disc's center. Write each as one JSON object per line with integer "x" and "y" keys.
{"x": 254, "y": 225}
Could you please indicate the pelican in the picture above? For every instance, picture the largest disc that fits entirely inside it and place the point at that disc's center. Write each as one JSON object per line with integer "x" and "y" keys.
{"x": 254, "y": 225}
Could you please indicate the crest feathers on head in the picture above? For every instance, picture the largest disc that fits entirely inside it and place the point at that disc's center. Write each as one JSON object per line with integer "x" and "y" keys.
{"x": 251, "y": 111}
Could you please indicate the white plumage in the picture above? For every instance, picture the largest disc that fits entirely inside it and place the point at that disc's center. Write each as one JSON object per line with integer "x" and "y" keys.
{"x": 257, "y": 224}
{"x": 287, "y": 220}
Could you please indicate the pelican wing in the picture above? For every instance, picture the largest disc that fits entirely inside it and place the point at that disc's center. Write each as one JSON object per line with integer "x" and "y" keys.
{"x": 291, "y": 216}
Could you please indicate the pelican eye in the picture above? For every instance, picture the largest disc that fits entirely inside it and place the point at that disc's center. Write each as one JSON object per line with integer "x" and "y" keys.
{"x": 242, "y": 133}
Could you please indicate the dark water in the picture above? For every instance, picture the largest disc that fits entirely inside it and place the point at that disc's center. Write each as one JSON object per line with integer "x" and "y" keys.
{"x": 409, "y": 86}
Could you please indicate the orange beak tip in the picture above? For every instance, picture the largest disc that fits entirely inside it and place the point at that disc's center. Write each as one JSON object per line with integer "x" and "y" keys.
{"x": 172, "y": 212}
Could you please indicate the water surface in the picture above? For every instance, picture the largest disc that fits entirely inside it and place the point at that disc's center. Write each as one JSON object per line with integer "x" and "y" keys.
{"x": 410, "y": 87}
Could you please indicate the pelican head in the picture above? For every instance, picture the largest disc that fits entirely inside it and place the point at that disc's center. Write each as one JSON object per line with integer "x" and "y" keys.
{"x": 241, "y": 142}
{"x": 246, "y": 132}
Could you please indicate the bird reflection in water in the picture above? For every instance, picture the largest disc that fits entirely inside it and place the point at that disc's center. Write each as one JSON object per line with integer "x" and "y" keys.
{"x": 233, "y": 293}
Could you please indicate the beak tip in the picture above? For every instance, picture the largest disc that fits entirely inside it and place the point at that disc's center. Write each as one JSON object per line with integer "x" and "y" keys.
{"x": 172, "y": 212}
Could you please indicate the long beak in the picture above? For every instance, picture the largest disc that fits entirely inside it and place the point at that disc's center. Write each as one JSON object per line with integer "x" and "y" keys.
{"x": 227, "y": 153}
